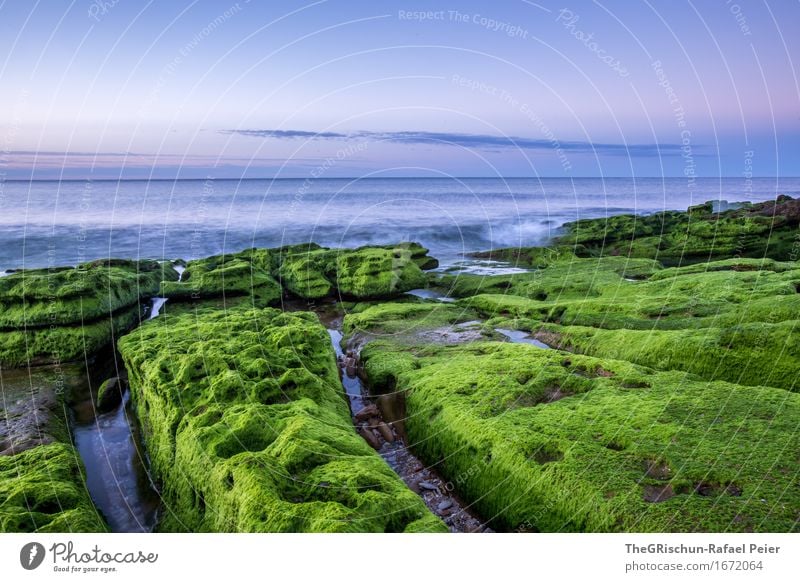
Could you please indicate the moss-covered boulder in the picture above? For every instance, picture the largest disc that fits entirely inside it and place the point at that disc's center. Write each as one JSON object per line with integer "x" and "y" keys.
{"x": 734, "y": 320}
{"x": 309, "y": 275}
{"x": 307, "y": 271}
{"x": 404, "y": 318}
{"x": 64, "y": 343}
{"x": 377, "y": 272}
{"x": 225, "y": 276}
{"x": 362, "y": 273}
{"x": 68, "y": 296}
{"x": 702, "y": 233}
{"x": 248, "y": 428}
{"x": 550, "y": 441}
{"x": 65, "y": 314}
{"x": 42, "y": 484}
{"x": 43, "y": 490}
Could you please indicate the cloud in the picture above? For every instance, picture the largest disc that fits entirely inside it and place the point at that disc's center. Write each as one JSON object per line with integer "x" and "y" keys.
{"x": 470, "y": 140}
{"x": 284, "y": 134}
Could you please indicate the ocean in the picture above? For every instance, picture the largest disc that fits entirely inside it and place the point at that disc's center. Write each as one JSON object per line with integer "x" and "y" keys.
{"x": 46, "y": 223}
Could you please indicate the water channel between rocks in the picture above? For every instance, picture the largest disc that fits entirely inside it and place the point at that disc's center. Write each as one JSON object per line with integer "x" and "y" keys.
{"x": 111, "y": 447}
{"x": 381, "y": 425}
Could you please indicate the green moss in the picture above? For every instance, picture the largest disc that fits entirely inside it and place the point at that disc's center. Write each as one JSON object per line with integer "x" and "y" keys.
{"x": 377, "y": 272}
{"x": 543, "y": 440}
{"x": 401, "y": 318}
{"x": 248, "y": 429}
{"x": 307, "y": 271}
{"x": 760, "y": 230}
{"x": 224, "y": 276}
{"x": 736, "y": 264}
{"x": 307, "y": 275}
{"x": 64, "y": 314}
{"x": 530, "y": 257}
{"x": 65, "y": 296}
{"x": 562, "y": 279}
{"x": 66, "y": 343}
{"x": 752, "y": 354}
{"x": 362, "y": 273}
{"x": 733, "y": 320}
{"x": 416, "y": 253}
{"x": 42, "y": 490}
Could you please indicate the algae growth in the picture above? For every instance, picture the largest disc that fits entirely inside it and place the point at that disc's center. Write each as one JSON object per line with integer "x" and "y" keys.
{"x": 248, "y": 429}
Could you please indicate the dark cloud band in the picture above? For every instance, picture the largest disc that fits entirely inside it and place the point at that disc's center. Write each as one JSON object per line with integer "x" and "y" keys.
{"x": 469, "y": 140}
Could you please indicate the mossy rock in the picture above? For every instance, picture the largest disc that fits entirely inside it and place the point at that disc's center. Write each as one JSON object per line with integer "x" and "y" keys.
{"x": 66, "y": 314}
{"x": 363, "y": 273}
{"x": 74, "y": 296}
{"x": 223, "y": 276}
{"x": 406, "y": 317}
{"x": 530, "y": 257}
{"x": 367, "y": 272}
{"x": 764, "y": 230}
{"x": 307, "y": 271}
{"x": 544, "y": 440}
{"x": 42, "y": 483}
{"x": 248, "y": 428}
{"x": 43, "y": 490}
{"x": 752, "y": 354}
{"x": 66, "y": 343}
{"x": 110, "y": 394}
{"x": 732, "y": 320}
{"x": 308, "y": 275}
{"x": 567, "y": 277}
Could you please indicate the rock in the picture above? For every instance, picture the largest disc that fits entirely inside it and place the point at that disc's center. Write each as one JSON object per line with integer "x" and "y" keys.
{"x": 310, "y": 271}
{"x": 386, "y": 432}
{"x": 370, "y": 437}
{"x": 428, "y": 486}
{"x": 66, "y": 314}
{"x": 42, "y": 479}
{"x": 393, "y": 410}
{"x": 658, "y": 493}
{"x": 446, "y": 504}
{"x": 244, "y": 273}
{"x": 350, "y": 367}
{"x": 366, "y": 412}
{"x": 109, "y": 396}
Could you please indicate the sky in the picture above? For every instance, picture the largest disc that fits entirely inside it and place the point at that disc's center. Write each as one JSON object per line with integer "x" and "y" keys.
{"x": 108, "y": 89}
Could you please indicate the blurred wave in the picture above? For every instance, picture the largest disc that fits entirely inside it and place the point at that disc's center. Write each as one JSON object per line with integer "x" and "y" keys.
{"x": 60, "y": 223}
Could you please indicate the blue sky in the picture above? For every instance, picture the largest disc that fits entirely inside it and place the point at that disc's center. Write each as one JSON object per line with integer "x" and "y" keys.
{"x": 123, "y": 88}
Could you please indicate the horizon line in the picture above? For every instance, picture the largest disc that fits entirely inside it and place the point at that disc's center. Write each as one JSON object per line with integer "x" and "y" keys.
{"x": 251, "y": 179}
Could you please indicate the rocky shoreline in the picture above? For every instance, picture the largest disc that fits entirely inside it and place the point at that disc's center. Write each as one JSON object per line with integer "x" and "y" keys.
{"x": 668, "y": 401}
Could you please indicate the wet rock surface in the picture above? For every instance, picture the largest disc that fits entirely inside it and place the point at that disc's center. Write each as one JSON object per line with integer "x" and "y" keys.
{"x": 381, "y": 425}
{"x": 438, "y": 495}
{"x": 31, "y": 411}
{"x": 42, "y": 484}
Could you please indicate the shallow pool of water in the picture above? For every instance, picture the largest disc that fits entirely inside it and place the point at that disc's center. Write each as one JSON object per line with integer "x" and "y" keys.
{"x": 521, "y": 337}
{"x": 109, "y": 445}
{"x": 350, "y": 381}
{"x": 430, "y": 294}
